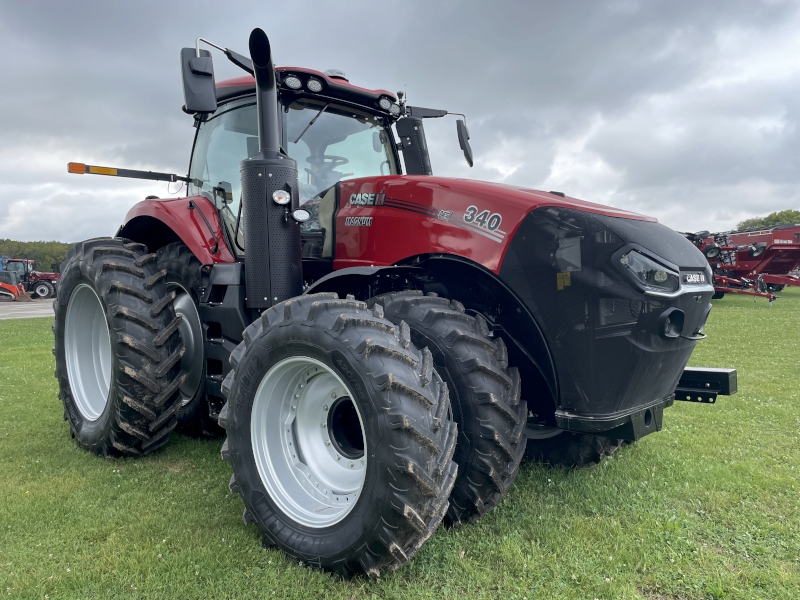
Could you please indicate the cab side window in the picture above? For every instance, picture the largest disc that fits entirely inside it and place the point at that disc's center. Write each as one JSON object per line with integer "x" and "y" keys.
{"x": 226, "y": 139}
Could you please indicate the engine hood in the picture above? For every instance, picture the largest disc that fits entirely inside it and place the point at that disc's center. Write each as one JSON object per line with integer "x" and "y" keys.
{"x": 523, "y": 198}
{"x": 386, "y": 220}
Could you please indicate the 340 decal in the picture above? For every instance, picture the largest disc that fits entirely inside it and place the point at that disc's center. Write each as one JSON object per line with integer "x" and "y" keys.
{"x": 483, "y": 219}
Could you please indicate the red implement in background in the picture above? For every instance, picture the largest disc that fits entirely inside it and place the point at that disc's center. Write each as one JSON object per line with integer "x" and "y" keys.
{"x": 757, "y": 262}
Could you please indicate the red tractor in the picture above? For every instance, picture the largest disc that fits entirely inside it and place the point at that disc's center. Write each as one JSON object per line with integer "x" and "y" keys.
{"x": 380, "y": 348}
{"x": 40, "y": 284}
{"x": 756, "y": 262}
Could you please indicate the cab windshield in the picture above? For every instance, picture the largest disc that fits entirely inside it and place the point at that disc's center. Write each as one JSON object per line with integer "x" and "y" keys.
{"x": 330, "y": 143}
{"x": 17, "y": 267}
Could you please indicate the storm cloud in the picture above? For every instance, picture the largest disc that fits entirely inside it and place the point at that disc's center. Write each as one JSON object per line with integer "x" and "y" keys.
{"x": 687, "y": 111}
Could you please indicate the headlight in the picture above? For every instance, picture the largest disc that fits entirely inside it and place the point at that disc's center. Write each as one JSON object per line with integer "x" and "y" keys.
{"x": 293, "y": 82}
{"x": 314, "y": 85}
{"x": 301, "y": 215}
{"x": 385, "y": 103}
{"x": 649, "y": 273}
{"x": 281, "y": 197}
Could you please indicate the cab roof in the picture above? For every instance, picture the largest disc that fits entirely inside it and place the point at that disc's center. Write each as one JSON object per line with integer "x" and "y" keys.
{"x": 332, "y": 87}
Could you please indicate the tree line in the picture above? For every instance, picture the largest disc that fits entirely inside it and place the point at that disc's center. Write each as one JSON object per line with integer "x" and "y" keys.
{"x": 45, "y": 254}
{"x": 783, "y": 217}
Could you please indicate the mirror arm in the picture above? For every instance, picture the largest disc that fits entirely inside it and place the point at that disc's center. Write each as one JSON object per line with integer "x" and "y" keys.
{"x": 459, "y": 115}
{"x": 212, "y": 44}
{"x": 238, "y": 59}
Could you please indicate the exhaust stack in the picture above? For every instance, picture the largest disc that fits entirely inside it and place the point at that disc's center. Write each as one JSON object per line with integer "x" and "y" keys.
{"x": 273, "y": 264}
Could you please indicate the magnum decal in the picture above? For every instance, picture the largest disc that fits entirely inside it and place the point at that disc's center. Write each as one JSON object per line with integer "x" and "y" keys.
{"x": 358, "y": 221}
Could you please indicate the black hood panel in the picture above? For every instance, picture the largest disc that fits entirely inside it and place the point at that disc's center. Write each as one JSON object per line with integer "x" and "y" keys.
{"x": 603, "y": 333}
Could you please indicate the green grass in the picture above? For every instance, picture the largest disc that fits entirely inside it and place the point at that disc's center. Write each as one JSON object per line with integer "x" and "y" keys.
{"x": 708, "y": 508}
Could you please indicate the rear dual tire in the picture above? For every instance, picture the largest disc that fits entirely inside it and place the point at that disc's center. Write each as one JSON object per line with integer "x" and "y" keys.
{"x": 294, "y": 359}
{"x": 195, "y": 416}
{"x": 117, "y": 348}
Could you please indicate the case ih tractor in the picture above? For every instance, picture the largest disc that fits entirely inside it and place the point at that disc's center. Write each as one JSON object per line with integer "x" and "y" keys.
{"x": 380, "y": 348}
{"x": 41, "y": 284}
{"x": 756, "y": 262}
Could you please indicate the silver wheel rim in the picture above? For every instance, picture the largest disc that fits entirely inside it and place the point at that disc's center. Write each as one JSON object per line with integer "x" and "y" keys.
{"x": 87, "y": 346}
{"x": 192, "y": 333}
{"x": 305, "y": 451}
{"x": 42, "y": 290}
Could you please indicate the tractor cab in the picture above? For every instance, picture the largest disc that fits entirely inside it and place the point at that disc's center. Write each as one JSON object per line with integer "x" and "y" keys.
{"x": 22, "y": 268}
{"x": 338, "y": 133}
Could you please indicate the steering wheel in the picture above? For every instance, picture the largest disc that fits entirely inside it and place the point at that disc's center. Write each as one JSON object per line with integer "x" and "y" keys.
{"x": 325, "y": 164}
{"x": 333, "y": 161}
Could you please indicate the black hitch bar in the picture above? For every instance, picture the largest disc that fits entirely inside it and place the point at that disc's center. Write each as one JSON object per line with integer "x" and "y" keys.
{"x": 704, "y": 384}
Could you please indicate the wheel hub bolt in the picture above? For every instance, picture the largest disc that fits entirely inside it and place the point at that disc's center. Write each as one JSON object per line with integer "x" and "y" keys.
{"x": 325, "y": 407}
{"x": 362, "y": 461}
{"x": 351, "y": 464}
{"x": 333, "y": 394}
{"x": 338, "y": 457}
{"x": 327, "y": 442}
{"x": 322, "y": 425}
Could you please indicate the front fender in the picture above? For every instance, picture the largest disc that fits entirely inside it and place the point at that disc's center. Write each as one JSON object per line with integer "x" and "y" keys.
{"x": 156, "y": 223}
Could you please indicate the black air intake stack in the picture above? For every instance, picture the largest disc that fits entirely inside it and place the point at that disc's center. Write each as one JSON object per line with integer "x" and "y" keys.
{"x": 273, "y": 265}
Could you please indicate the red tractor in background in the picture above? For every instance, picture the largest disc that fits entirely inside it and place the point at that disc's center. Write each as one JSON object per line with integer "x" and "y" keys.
{"x": 381, "y": 349}
{"x": 42, "y": 285}
{"x": 755, "y": 262}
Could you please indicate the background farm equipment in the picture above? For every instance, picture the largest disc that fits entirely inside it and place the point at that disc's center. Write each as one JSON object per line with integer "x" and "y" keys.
{"x": 380, "y": 348}
{"x": 11, "y": 289}
{"x": 759, "y": 262}
{"x": 39, "y": 284}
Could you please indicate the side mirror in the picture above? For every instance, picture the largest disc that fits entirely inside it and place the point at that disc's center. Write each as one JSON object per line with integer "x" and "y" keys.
{"x": 224, "y": 191}
{"x": 463, "y": 140}
{"x": 199, "y": 88}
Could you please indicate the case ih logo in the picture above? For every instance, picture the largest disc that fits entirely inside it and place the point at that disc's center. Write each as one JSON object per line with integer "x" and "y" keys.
{"x": 366, "y": 199}
{"x": 358, "y": 221}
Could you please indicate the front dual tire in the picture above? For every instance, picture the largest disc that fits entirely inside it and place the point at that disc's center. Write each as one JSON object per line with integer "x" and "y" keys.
{"x": 317, "y": 369}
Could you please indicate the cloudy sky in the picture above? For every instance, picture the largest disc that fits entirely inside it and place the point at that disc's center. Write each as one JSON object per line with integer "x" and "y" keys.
{"x": 684, "y": 110}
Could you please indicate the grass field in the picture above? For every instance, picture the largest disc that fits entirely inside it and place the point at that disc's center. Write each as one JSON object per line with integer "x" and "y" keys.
{"x": 708, "y": 508}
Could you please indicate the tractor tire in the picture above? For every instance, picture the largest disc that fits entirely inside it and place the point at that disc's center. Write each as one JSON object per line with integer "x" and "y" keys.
{"x": 43, "y": 289}
{"x": 117, "y": 348}
{"x": 717, "y": 295}
{"x": 484, "y": 393}
{"x": 338, "y": 435}
{"x": 570, "y": 449}
{"x": 183, "y": 278}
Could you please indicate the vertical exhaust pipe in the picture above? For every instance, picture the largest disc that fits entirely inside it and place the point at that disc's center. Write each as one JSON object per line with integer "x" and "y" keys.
{"x": 273, "y": 264}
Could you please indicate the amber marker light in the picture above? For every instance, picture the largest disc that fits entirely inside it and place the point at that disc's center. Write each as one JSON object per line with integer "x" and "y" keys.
{"x": 77, "y": 168}
{"x": 102, "y": 170}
